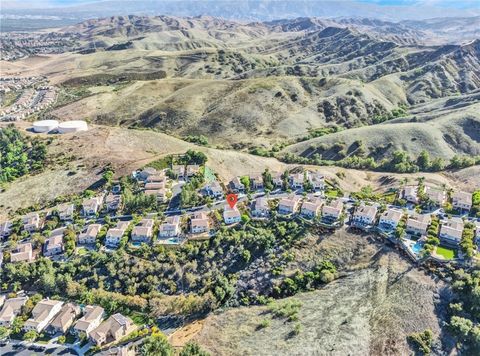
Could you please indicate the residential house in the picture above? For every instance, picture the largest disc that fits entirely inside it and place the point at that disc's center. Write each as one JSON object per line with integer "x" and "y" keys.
{"x": 145, "y": 173}
{"x": 436, "y": 196}
{"x": 261, "y": 207}
{"x": 256, "y": 181}
{"x": 156, "y": 178}
{"x": 92, "y": 317}
{"x": 316, "y": 180}
{"x": 332, "y": 211}
{"x": 214, "y": 190}
{"x": 277, "y": 180}
{"x": 390, "y": 218}
{"x": 364, "y": 216}
{"x": 31, "y": 222}
{"x": 451, "y": 231}
{"x": 143, "y": 232}
{"x": 11, "y": 308}
{"x": 169, "y": 228}
{"x": 115, "y": 234}
{"x": 5, "y": 229}
{"x": 160, "y": 194}
{"x": 462, "y": 201}
{"x": 236, "y": 185}
{"x": 289, "y": 205}
{"x": 417, "y": 224}
{"x": 311, "y": 209}
{"x": 65, "y": 212}
{"x": 111, "y": 330}
{"x": 192, "y": 170}
{"x": 42, "y": 314}
{"x": 231, "y": 216}
{"x": 22, "y": 253}
{"x": 90, "y": 235}
{"x": 199, "y": 223}
{"x": 178, "y": 171}
{"x": 65, "y": 318}
{"x": 53, "y": 245}
{"x": 410, "y": 194}
{"x": 155, "y": 185}
{"x": 297, "y": 179}
{"x": 113, "y": 202}
{"x": 91, "y": 206}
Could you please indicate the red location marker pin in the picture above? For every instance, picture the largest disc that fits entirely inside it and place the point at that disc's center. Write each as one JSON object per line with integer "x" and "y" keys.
{"x": 232, "y": 200}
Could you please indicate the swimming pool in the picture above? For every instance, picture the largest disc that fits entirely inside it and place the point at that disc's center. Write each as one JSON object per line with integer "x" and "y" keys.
{"x": 417, "y": 247}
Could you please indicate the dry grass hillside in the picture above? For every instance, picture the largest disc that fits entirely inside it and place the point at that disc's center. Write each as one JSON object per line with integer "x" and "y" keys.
{"x": 370, "y": 311}
{"x": 81, "y": 157}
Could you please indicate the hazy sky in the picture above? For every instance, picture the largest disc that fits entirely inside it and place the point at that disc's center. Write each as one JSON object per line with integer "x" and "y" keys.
{"x": 460, "y": 4}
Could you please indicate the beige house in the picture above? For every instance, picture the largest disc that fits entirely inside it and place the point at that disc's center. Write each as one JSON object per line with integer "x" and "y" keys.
{"x": 231, "y": 216}
{"x": 156, "y": 178}
{"x": 261, "y": 207}
{"x": 199, "y": 223}
{"x": 62, "y": 322}
{"x": 316, "y": 180}
{"x": 418, "y": 224}
{"x": 170, "y": 228}
{"x": 410, "y": 194}
{"x": 289, "y": 205}
{"x": 113, "y": 202}
{"x": 89, "y": 321}
{"x": 436, "y": 196}
{"x": 112, "y": 330}
{"x": 5, "y": 229}
{"x": 236, "y": 185}
{"x": 192, "y": 169}
{"x": 462, "y": 201}
{"x": 333, "y": 210}
{"x": 160, "y": 194}
{"x": 256, "y": 181}
{"x": 22, "y": 253}
{"x": 143, "y": 232}
{"x": 297, "y": 179}
{"x": 91, "y": 206}
{"x": 390, "y": 219}
{"x": 53, "y": 246}
{"x": 31, "y": 222}
{"x": 42, "y": 314}
{"x": 311, "y": 209}
{"x": 451, "y": 231}
{"x": 178, "y": 170}
{"x": 90, "y": 235}
{"x": 364, "y": 215}
{"x": 11, "y": 308}
{"x": 65, "y": 212}
{"x": 155, "y": 185}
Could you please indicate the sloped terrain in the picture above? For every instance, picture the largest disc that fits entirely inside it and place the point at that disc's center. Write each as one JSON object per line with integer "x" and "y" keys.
{"x": 370, "y": 311}
{"x": 260, "y": 84}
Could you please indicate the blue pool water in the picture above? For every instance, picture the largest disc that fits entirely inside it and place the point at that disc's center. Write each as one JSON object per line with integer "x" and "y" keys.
{"x": 417, "y": 247}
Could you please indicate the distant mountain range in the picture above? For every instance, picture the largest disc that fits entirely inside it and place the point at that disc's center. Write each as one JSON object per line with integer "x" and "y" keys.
{"x": 246, "y": 10}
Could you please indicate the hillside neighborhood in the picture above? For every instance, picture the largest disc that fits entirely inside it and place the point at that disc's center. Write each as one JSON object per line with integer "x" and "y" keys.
{"x": 154, "y": 207}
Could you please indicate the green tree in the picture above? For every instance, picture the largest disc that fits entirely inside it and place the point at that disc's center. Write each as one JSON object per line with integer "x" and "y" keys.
{"x": 156, "y": 345}
{"x": 30, "y": 336}
{"x": 193, "y": 349}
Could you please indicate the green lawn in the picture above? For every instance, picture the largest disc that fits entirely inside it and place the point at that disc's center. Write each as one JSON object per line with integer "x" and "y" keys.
{"x": 446, "y": 252}
{"x": 81, "y": 251}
